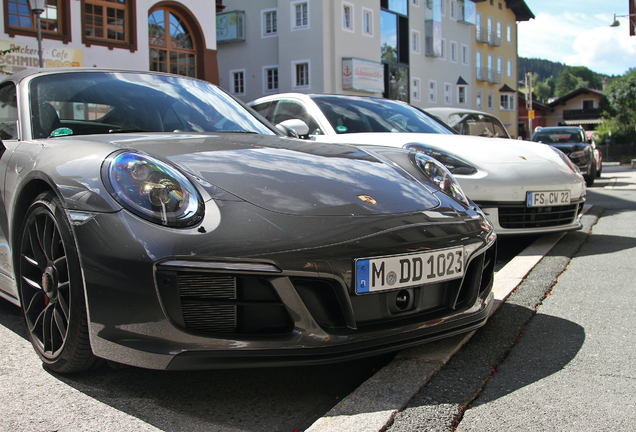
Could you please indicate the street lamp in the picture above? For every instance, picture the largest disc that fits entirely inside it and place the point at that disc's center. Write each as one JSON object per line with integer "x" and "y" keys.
{"x": 37, "y": 9}
{"x": 632, "y": 23}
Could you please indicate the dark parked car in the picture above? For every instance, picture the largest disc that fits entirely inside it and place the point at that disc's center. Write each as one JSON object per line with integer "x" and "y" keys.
{"x": 152, "y": 220}
{"x": 572, "y": 141}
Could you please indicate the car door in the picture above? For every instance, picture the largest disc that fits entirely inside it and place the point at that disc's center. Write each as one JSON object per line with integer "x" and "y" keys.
{"x": 9, "y": 134}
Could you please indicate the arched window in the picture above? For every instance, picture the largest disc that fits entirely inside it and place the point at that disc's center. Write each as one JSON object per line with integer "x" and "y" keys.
{"x": 172, "y": 47}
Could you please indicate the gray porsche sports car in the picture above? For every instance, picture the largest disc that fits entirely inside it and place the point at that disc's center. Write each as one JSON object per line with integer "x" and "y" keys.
{"x": 152, "y": 220}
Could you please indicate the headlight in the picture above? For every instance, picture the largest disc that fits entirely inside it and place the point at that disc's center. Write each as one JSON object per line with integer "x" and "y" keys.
{"x": 152, "y": 190}
{"x": 577, "y": 154}
{"x": 566, "y": 160}
{"x": 454, "y": 164}
{"x": 440, "y": 176}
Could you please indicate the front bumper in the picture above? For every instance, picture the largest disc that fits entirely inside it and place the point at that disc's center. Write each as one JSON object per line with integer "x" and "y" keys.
{"x": 518, "y": 219}
{"x": 167, "y": 299}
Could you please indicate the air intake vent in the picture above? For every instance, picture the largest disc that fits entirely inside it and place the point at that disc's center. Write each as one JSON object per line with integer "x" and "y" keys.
{"x": 520, "y": 216}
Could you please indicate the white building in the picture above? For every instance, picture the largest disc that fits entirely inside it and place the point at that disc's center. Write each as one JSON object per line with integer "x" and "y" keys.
{"x": 172, "y": 36}
{"x": 414, "y": 50}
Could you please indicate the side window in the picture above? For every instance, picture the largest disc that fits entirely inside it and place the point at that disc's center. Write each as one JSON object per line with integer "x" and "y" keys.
{"x": 264, "y": 109}
{"x": 293, "y": 110}
{"x": 8, "y": 112}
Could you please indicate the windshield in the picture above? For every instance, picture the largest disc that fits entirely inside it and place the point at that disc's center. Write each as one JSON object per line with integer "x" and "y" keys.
{"x": 82, "y": 103}
{"x": 477, "y": 125}
{"x": 558, "y": 136}
{"x": 352, "y": 114}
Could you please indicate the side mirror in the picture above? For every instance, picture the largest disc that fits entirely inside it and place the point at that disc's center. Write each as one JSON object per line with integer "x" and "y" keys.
{"x": 299, "y": 126}
{"x": 287, "y": 131}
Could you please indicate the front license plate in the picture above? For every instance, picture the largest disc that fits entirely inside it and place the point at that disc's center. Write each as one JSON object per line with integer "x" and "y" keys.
{"x": 404, "y": 271}
{"x": 548, "y": 198}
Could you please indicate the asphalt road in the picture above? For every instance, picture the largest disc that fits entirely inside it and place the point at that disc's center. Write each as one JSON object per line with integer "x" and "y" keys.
{"x": 560, "y": 354}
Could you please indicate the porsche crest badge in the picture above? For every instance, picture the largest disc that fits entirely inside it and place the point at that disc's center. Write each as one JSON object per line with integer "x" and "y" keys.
{"x": 367, "y": 199}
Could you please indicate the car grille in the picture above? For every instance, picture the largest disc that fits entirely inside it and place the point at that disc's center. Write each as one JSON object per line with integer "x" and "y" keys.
{"x": 210, "y": 303}
{"x": 520, "y": 216}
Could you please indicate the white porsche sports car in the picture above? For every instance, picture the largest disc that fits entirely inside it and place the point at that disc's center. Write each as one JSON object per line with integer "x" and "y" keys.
{"x": 523, "y": 187}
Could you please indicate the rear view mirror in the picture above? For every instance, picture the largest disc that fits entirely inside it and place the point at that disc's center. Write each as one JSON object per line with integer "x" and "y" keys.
{"x": 299, "y": 126}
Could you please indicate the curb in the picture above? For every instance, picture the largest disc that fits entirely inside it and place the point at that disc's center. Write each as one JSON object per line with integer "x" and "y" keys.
{"x": 372, "y": 406}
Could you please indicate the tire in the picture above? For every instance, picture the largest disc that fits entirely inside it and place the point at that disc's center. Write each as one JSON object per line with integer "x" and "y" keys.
{"x": 51, "y": 288}
{"x": 589, "y": 179}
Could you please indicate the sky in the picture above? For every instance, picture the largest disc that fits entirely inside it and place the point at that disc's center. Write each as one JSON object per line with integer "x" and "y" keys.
{"x": 577, "y": 33}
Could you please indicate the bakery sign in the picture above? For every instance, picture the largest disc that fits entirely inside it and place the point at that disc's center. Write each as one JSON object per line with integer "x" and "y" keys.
{"x": 362, "y": 75}
{"x": 20, "y": 55}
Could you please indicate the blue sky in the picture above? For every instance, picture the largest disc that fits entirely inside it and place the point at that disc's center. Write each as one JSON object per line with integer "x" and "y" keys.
{"x": 577, "y": 33}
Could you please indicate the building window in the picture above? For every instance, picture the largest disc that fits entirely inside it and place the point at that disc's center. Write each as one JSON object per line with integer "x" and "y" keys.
{"x": 509, "y": 68}
{"x": 415, "y": 89}
{"x": 270, "y": 22}
{"x": 453, "y": 51}
{"x": 499, "y": 32}
{"x": 461, "y": 94}
{"x": 432, "y": 91}
{"x": 415, "y": 41}
{"x": 453, "y": 9}
{"x": 509, "y": 34}
{"x": 443, "y": 8}
{"x": 479, "y": 99}
{"x": 347, "y": 16}
{"x": 367, "y": 22}
{"x": 107, "y": 22}
{"x": 270, "y": 79}
{"x": 507, "y": 102}
{"x": 415, "y": 3}
{"x": 300, "y": 72}
{"x": 448, "y": 93}
{"x": 171, "y": 45}
{"x": 491, "y": 100}
{"x": 588, "y": 104}
{"x": 300, "y": 15}
{"x": 237, "y": 80}
{"x": 54, "y": 21}
{"x": 465, "y": 54}
{"x": 443, "y": 56}
{"x": 500, "y": 66}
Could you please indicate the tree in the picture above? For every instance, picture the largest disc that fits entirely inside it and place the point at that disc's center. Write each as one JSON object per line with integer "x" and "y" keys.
{"x": 618, "y": 108}
{"x": 587, "y": 78}
{"x": 542, "y": 91}
{"x": 565, "y": 83}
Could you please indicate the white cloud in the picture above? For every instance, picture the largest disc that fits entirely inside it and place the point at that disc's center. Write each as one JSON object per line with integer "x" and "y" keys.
{"x": 579, "y": 39}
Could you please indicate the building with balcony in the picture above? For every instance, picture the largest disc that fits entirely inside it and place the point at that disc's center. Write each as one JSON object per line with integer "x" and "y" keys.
{"x": 495, "y": 54}
{"x": 419, "y": 51}
{"x": 577, "y": 108}
{"x": 170, "y": 36}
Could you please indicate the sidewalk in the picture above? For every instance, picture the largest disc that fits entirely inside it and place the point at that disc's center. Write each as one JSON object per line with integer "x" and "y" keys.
{"x": 395, "y": 396}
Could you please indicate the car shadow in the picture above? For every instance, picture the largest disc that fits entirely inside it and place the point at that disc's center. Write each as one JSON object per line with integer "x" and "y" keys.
{"x": 474, "y": 368}
{"x": 274, "y": 399}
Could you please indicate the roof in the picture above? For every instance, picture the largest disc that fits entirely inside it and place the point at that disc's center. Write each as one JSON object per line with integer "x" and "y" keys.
{"x": 535, "y": 102}
{"x": 579, "y": 91}
{"x": 519, "y": 8}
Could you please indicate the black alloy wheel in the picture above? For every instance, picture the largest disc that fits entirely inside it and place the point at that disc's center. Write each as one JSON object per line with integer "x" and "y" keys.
{"x": 51, "y": 289}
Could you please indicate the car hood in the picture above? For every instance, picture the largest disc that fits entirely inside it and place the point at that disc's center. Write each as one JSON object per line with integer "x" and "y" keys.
{"x": 568, "y": 148}
{"x": 478, "y": 151}
{"x": 290, "y": 176}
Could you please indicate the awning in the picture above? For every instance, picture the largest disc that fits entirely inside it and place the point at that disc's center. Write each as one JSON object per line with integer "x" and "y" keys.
{"x": 584, "y": 121}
